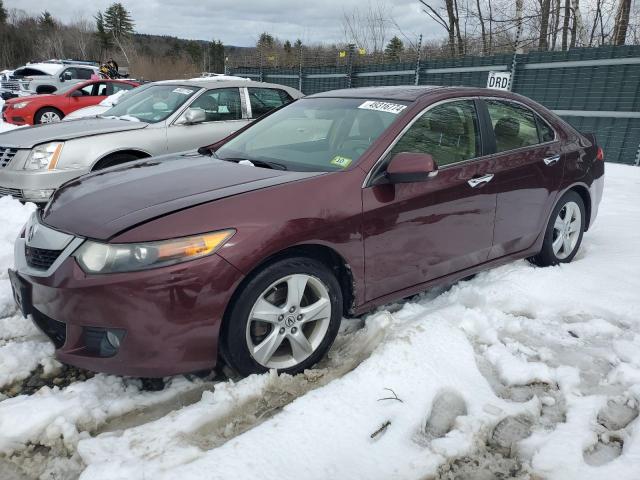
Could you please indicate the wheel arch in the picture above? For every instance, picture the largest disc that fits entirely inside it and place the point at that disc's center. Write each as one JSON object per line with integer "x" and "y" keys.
{"x": 583, "y": 191}
{"x": 322, "y": 253}
{"x": 48, "y": 107}
{"x": 138, "y": 153}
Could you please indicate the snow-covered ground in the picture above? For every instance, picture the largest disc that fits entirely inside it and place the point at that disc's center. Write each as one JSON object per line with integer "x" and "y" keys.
{"x": 520, "y": 372}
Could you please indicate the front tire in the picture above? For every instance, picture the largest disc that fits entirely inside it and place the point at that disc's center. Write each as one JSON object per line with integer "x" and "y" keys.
{"x": 48, "y": 115}
{"x": 564, "y": 232}
{"x": 286, "y": 318}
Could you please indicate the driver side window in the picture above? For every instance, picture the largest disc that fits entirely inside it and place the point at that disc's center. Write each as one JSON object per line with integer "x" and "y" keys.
{"x": 449, "y": 132}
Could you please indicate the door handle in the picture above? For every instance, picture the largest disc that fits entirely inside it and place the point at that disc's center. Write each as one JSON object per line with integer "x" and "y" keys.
{"x": 475, "y": 182}
{"x": 551, "y": 160}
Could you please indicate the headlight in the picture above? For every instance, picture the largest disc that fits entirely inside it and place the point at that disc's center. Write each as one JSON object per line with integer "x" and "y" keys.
{"x": 18, "y": 106}
{"x": 95, "y": 257}
{"x": 44, "y": 156}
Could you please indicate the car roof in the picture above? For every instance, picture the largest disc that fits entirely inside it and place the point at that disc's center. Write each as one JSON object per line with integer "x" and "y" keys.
{"x": 412, "y": 93}
{"x": 212, "y": 82}
{"x": 401, "y": 92}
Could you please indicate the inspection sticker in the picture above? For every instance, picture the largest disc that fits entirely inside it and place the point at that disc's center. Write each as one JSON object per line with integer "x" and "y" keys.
{"x": 183, "y": 91}
{"x": 342, "y": 162}
{"x": 394, "y": 108}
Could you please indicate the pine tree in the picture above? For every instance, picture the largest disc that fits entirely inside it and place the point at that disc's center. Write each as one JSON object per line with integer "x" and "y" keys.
{"x": 266, "y": 41}
{"x": 104, "y": 38}
{"x": 394, "y": 48}
{"x": 3, "y": 14}
{"x": 118, "y": 22}
{"x": 46, "y": 20}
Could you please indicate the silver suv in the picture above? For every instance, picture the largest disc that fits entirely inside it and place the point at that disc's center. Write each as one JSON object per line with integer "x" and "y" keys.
{"x": 154, "y": 119}
{"x": 47, "y": 77}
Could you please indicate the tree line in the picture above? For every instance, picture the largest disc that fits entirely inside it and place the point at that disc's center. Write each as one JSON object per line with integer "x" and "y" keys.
{"x": 109, "y": 34}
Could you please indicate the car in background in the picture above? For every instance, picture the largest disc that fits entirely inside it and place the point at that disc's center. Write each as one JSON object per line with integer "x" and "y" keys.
{"x": 350, "y": 199}
{"x": 50, "y": 108}
{"x": 163, "y": 117}
{"x": 47, "y": 77}
{"x": 103, "y": 106}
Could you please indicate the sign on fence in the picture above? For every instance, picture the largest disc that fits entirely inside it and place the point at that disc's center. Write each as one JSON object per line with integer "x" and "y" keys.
{"x": 499, "y": 80}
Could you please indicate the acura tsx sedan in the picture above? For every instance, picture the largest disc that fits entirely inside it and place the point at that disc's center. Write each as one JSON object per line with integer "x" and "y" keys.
{"x": 328, "y": 207}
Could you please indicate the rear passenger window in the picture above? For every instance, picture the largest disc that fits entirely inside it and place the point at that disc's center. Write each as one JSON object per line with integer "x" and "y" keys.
{"x": 545, "y": 132}
{"x": 448, "y": 132}
{"x": 263, "y": 100}
{"x": 514, "y": 125}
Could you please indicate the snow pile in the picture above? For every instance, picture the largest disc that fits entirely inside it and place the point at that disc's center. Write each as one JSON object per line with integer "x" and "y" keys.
{"x": 521, "y": 371}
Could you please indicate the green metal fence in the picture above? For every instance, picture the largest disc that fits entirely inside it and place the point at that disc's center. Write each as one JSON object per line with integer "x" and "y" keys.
{"x": 595, "y": 89}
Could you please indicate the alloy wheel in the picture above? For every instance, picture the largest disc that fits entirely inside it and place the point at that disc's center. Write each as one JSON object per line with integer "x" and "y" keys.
{"x": 288, "y": 321}
{"x": 566, "y": 230}
{"x": 50, "y": 117}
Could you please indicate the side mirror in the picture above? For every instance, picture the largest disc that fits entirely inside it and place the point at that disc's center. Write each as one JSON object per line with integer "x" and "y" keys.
{"x": 194, "y": 115}
{"x": 76, "y": 93}
{"x": 407, "y": 167}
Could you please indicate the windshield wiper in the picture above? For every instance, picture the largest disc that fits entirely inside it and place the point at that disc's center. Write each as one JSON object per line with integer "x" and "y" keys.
{"x": 257, "y": 163}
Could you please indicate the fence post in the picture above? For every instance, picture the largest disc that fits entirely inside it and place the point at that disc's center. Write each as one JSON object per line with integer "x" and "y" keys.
{"x": 352, "y": 49}
{"x": 260, "y": 71}
{"x": 638, "y": 156}
{"x": 300, "y": 71}
{"x": 417, "y": 79}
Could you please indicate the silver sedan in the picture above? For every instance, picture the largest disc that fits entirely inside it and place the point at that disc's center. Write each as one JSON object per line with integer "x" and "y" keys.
{"x": 159, "y": 118}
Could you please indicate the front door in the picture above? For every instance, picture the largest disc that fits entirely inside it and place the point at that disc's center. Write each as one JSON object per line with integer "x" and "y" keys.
{"x": 224, "y": 115}
{"x": 416, "y": 232}
{"x": 528, "y": 167}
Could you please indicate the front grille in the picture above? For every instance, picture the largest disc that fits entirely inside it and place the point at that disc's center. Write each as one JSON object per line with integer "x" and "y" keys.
{"x": 6, "y": 155}
{"x": 10, "y": 85}
{"x": 14, "y": 192}
{"x": 55, "y": 330}
{"x": 41, "y": 258}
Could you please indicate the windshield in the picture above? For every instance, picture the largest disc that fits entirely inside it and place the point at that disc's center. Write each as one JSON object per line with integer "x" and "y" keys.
{"x": 314, "y": 134}
{"x": 152, "y": 104}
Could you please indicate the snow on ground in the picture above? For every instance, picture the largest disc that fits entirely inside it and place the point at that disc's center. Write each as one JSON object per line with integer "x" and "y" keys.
{"x": 521, "y": 371}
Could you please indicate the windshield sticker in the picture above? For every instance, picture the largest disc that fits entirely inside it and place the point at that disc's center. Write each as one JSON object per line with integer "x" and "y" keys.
{"x": 342, "y": 162}
{"x": 388, "y": 107}
{"x": 182, "y": 91}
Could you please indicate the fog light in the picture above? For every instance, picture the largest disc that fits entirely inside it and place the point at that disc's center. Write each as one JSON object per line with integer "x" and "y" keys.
{"x": 113, "y": 339}
{"x": 37, "y": 194}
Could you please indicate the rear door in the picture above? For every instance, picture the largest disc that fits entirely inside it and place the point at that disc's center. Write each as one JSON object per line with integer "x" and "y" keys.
{"x": 416, "y": 232}
{"x": 224, "y": 113}
{"x": 528, "y": 167}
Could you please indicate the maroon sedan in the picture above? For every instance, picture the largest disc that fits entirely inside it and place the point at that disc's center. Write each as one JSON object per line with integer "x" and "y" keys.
{"x": 254, "y": 249}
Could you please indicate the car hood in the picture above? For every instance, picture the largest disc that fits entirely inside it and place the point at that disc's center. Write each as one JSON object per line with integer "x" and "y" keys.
{"x": 33, "y": 98}
{"x": 30, "y": 136}
{"x": 106, "y": 203}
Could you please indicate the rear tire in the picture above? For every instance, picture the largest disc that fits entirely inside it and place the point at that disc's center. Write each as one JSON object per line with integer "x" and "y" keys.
{"x": 564, "y": 232}
{"x": 48, "y": 115}
{"x": 285, "y": 317}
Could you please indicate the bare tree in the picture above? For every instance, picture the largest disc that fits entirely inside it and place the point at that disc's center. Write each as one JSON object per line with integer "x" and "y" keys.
{"x": 545, "y": 7}
{"x": 565, "y": 23}
{"x": 367, "y": 27}
{"x": 83, "y": 32}
{"x": 622, "y": 22}
{"x": 449, "y": 25}
{"x": 483, "y": 33}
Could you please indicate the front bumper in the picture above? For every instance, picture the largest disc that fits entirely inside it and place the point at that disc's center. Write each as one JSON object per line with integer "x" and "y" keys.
{"x": 168, "y": 318}
{"x": 23, "y": 184}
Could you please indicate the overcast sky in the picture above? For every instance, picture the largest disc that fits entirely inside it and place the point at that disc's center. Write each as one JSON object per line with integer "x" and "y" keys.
{"x": 239, "y": 22}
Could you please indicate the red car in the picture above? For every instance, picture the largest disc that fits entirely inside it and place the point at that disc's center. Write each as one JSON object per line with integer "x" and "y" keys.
{"x": 54, "y": 107}
{"x": 329, "y": 207}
